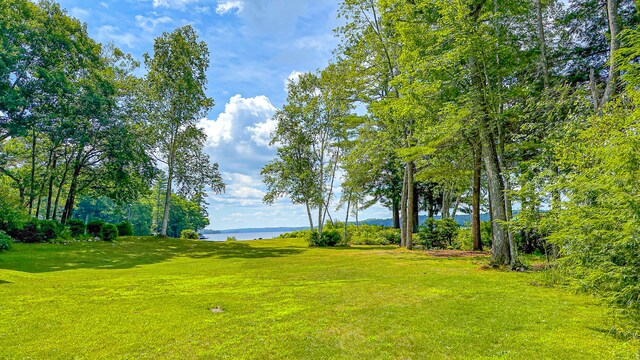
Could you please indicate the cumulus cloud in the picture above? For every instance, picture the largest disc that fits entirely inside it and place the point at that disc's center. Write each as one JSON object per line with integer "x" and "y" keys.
{"x": 234, "y": 124}
{"x": 292, "y": 78}
{"x": 173, "y": 4}
{"x": 225, "y": 6}
{"x": 149, "y": 23}
{"x": 261, "y": 132}
{"x": 111, "y": 33}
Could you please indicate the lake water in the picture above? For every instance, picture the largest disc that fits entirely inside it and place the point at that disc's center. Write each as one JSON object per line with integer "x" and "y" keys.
{"x": 244, "y": 236}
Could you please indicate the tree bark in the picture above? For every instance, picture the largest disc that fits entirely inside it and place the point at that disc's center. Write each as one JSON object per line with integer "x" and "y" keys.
{"x": 416, "y": 210}
{"x": 410, "y": 205}
{"x": 543, "y": 46}
{"x": 396, "y": 214}
{"x": 403, "y": 210}
{"x": 614, "y": 44}
{"x": 167, "y": 197}
{"x": 475, "y": 222}
{"x": 309, "y": 215}
{"x": 501, "y": 249}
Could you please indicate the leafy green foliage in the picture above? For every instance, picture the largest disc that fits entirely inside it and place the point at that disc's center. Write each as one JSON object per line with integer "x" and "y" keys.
{"x": 77, "y": 227}
{"x": 438, "y": 234}
{"x": 328, "y": 238}
{"x": 94, "y": 227}
{"x": 108, "y": 232}
{"x": 125, "y": 229}
{"x": 189, "y": 234}
{"x": 6, "y": 241}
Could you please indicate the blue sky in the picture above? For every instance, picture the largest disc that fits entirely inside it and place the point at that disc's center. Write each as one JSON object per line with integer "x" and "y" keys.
{"x": 255, "y": 46}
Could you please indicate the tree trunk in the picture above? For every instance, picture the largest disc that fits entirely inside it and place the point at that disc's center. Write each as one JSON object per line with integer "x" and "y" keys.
{"x": 50, "y": 189}
{"x": 396, "y": 213}
{"x": 543, "y": 46}
{"x": 501, "y": 249}
{"x": 612, "y": 16}
{"x": 32, "y": 184}
{"x": 346, "y": 218}
{"x": 475, "y": 221}
{"x": 446, "y": 204}
{"x": 67, "y": 212}
{"x": 167, "y": 197}
{"x": 416, "y": 209}
{"x": 62, "y": 182}
{"x": 310, "y": 217}
{"x": 410, "y": 205}
{"x": 403, "y": 210}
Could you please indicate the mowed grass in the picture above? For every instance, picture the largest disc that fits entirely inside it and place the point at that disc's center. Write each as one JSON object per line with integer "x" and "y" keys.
{"x": 151, "y": 298}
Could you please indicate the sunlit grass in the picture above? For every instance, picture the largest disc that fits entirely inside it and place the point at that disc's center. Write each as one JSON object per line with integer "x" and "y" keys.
{"x": 148, "y": 297}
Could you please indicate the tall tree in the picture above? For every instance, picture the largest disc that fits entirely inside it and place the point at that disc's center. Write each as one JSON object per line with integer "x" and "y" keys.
{"x": 176, "y": 102}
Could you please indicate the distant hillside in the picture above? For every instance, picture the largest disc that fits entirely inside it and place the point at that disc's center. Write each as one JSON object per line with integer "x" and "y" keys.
{"x": 461, "y": 219}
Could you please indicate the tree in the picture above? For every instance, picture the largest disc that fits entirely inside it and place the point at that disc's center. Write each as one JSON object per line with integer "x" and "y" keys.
{"x": 309, "y": 140}
{"x": 175, "y": 87}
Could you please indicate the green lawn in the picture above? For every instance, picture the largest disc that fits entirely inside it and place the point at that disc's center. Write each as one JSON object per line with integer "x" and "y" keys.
{"x": 151, "y": 298}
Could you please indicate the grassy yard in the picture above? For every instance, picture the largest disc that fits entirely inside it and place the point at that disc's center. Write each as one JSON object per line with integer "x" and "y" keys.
{"x": 151, "y": 298}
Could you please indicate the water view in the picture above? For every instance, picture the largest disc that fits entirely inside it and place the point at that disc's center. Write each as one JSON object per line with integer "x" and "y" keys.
{"x": 243, "y": 236}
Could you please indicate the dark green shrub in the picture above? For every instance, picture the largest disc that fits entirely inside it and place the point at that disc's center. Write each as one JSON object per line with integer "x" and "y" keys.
{"x": 29, "y": 232}
{"x": 5, "y": 241}
{"x": 94, "y": 227}
{"x": 437, "y": 234}
{"x": 330, "y": 237}
{"x": 77, "y": 227}
{"x": 313, "y": 238}
{"x": 125, "y": 228}
{"x": 189, "y": 234}
{"x": 49, "y": 230}
{"x": 108, "y": 232}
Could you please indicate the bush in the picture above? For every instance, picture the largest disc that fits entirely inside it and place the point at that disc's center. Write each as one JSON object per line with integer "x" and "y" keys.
{"x": 5, "y": 241}
{"x": 437, "y": 234}
{"x": 94, "y": 227}
{"x": 189, "y": 234}
{"x": 108, "y": 232}
{"x": 231, "y": 238}
{"x": 125, "y": 228}
{"x": 330, "y": 237}
{"x": 29, "y": 232}
{"x": 49, "y": 230}
{"x": 77, "y": 227}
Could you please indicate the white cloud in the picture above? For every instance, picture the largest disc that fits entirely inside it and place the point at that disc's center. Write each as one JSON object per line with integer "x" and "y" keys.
{"x": 225, "y": 6}
{"x": 261, "y": 132}
{"x": 79, "y": 13}
{"x": 238, "y": 116}
{"x": 292, "y": 78}
{"x": 104, "y": 5}
{"x": 149, "y": 24}
{"x": 111, "y": 33}
{"x": 173, "y": 4}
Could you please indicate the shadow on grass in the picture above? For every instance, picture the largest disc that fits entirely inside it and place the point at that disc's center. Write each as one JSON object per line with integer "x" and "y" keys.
{"x": 5, "y": 282}
{"x": 126, "y": 253}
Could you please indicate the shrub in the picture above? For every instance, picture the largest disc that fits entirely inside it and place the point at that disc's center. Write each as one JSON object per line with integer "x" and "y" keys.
{"x": 28, "y": 233}
{"x": 125, "y": 228}
{"x": 94, "y": 227}
{"x": 108, "y": 232}
{"x": 437, "y": 234}
{"x": 330, "y": 237}
{"x": 5, "y": 241}
{"x": 49, "y": 230}
{"x": 189, "y": 234}
{"x": 231, "y": 238}
{"x": 390, "y": 236}
{"x": 77, "y": 227}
